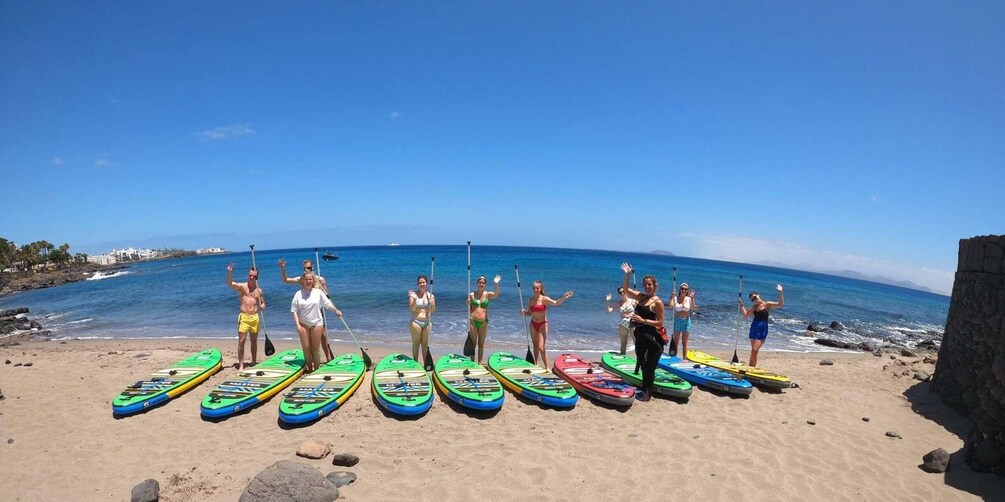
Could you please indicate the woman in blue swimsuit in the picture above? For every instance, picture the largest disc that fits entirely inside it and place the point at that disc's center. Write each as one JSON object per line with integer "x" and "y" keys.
{"x": 759, "y": 326}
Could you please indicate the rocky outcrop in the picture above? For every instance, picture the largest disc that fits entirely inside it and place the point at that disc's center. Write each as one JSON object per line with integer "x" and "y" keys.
{"x": 973, "y": 347}
{"x": 16, "y": 319}
{"x": 48, "y": 279}
{"x": 290, "y": 481}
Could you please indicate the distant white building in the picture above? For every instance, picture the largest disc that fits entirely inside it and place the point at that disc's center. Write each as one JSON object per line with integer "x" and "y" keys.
{"x": 213, "y": 250}
{"x": 101, "y": 259}
{"x": 132, "y": 254}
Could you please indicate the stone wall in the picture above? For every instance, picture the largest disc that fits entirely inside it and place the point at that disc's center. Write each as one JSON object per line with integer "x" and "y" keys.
{"x": 970, "y": 373}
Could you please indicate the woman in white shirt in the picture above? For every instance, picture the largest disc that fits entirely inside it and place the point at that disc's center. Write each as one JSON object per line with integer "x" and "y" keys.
{"x": 682, "y": 304}
{"x": 306, "y": 308}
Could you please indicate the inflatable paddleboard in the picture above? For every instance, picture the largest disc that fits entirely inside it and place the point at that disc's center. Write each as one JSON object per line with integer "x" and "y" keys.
{"x": 666, "y": 383}
{"x": 254, "y": 385}
{"x": 317, "y": 394}
{"x": 594, "y": 381}
{"x": 402, "y": 386}
{"x": 700, "y": 374}
{"x": 467, "y": 383}
{"x": 531, "y": 381}
{"x": 752, "y": 374}
{"x": 168, "y": 383}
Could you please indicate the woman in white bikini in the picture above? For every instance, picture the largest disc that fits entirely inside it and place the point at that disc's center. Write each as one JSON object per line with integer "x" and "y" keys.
{"x": 422, "y": 305}
{"x": 625, "y": 308}
{"x": 683, "y": 305}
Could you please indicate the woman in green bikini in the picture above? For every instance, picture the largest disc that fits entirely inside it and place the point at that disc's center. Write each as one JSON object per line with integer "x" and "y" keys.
{"x": 478, "y": 305}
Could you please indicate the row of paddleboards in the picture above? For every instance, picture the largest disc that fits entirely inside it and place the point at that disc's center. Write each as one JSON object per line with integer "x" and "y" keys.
{"x": 403, "y": 387}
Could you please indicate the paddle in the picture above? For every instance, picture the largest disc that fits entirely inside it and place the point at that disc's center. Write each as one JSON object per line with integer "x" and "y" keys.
{"x": 324, "y": 318}
{"x": 736, "y": 337}
{"x": 469, "y": 344}
{"x": 366, "y": 357}
{"x": 269, "y": 348}
{"x": 530, "y": 355}
{"x": 672, "y": 349}
{"x": 427, "y": 358}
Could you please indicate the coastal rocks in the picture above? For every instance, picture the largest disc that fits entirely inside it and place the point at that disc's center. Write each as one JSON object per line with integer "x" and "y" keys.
{"x": 922, "y": 376}
{"x": 908, "y": 353}
{"x": 828, "y": 342}
{"x": 345, "y": 459}
{"x": 893, "y": 434}
{"x": 147, "y": 491}
{"x": 289, "y": 481}
{"x": 935, "y": 461}
{"x": 836, "y": 326}
{"x": 13, "y": 312}
{"x": 314, "y": 449}
{"x": 816, "y": 328}
{"x": 341, "y": 478}
{"x": 826, "y": 362}
{"x": 970, "y": 369}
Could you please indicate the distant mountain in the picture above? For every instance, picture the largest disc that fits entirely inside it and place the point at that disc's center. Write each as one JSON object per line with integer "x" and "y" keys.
{"x": 851, "y": 274}
{"x": 662, "y": 252}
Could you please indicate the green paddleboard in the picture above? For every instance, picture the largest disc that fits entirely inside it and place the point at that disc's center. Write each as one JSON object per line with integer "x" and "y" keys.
{"x": 168, "y": 383}
{"x": 401, "y": 385}
{"x": 467, "y": 383}
{"x": 254, "y": 385}
{"x": 531, "y": 381}
{"x": 666, "y": 383}
{"x": 317, "y": 394}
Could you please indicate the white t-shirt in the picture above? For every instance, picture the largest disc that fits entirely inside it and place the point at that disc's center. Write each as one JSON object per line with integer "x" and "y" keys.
{"x": 308, "y": 307}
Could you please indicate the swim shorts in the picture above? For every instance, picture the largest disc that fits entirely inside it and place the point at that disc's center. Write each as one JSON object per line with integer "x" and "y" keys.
{"x": 758, "y": 330}
{"x": 247, "y": 323}
{"x": 681, "y": 324}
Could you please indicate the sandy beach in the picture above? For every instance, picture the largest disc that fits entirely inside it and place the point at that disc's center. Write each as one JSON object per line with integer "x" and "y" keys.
{"x": 60, "y": 440}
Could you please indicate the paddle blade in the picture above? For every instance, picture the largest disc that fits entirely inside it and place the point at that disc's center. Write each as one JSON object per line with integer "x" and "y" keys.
{"x": 469, "y": 347}
{"x": 427, "y": 360}
{"x": 736, "y": 358}
{"x": 530, "y": 356}
{"x": 269, "y": 348}
{"x": 366, "y": 358}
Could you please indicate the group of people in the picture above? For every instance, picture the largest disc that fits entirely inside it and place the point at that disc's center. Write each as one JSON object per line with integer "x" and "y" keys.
{"x": 643, "y": 313}
{"x": 642, "y": 316}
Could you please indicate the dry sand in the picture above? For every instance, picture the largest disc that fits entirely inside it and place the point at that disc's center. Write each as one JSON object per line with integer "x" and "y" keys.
{"x": 68, "y": 446}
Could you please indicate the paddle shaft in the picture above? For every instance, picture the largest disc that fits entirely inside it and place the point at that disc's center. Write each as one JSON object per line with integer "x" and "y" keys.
{"x": 324, "y": 318}
{"x": 261, "y": 313}
{"x": 526, "y": 328}
{"x": 739, "y": 314}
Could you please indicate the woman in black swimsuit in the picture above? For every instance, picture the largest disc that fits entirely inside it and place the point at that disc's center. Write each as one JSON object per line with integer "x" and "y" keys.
{"x": 648, "y": 320}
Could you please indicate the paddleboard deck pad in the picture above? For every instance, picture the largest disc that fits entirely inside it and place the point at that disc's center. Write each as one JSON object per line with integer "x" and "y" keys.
{"x": 168, "y": 383}
{"x": 531, "y": 381}
{"x": 666, "y": 383}
{"x": 706, "y": 376}
{"x": 321, "y": 392}
{"x": 467, "y": 383}
{"x": 594, "y": 381}
{"x": 752, "y": 374}
{"x": 252, "y": 386}
{"x": 402, "y": 386}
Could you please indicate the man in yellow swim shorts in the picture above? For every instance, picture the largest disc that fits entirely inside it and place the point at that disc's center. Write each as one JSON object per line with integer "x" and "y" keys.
{"x": 252, "y": 301}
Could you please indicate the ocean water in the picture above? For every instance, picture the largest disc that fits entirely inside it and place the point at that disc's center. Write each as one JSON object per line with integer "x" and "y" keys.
{"x": 189, "y": 297}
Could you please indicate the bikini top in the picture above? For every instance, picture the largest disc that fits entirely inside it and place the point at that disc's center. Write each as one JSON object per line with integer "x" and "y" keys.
{"x": 538, "y": 308}
{"x": 422, "y": 303}
{"x": 626, "y": 308}
{"x": 645, "y": 311}
{"x": 761, "y": 315}
{"x": 684, "y": 306}
{"x": 480, "y": 303}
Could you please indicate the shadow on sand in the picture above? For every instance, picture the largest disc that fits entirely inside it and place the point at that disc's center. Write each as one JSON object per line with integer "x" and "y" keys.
{"x": 960, "y": 476}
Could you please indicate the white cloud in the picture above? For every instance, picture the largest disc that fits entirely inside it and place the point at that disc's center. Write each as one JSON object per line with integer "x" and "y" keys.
{"x": 753, "y": 250}
{"x": 102, "y": 161}
{"x": 225, "y": 132}
{"x": 58, "y": 161}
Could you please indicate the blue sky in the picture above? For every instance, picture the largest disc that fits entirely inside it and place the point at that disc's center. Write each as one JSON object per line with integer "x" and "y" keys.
{"x": 839, "y": 135}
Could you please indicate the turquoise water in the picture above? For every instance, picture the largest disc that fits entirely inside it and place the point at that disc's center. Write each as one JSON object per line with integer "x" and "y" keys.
{"x": 189, "y": 297}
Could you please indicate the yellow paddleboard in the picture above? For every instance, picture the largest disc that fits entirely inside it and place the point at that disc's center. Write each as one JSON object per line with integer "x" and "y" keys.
{"x": 752, "y": 374}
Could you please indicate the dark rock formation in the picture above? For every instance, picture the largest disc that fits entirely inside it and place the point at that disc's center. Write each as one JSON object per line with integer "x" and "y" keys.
{"x": 935, "y": 461}
{"x": 837, "y": 326}
{"x": 965, "y": 373}
{"x": 345, "y": 459}
{"x": 289, "y": 481}
{"x": 341, "y": 478}
{"x": 147, "y": 491}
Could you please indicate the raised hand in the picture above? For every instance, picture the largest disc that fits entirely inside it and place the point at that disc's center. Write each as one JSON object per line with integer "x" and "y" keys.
{"x": 568, "y": 294}
{"x": 230, "y": 268}
{"x": 778, "y": 287}
{"x": 626, "y": 268}
{"x": 608, "y": 297}
{"x": 496, "y": 279}
{"x": 282, "y": 263}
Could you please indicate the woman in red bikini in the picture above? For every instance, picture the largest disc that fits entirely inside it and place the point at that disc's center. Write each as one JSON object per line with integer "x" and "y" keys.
{"x": 538, "y": 305}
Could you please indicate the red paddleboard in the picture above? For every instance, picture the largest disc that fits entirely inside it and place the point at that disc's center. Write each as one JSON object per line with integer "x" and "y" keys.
{"x": 594, "y": 381}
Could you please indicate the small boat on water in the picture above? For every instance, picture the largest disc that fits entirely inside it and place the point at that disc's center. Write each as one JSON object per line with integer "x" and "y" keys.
{"x": 329, "y": 256}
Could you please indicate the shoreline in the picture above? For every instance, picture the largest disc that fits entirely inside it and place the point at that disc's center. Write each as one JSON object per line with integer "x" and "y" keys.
{"x": 63, "y": 442}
